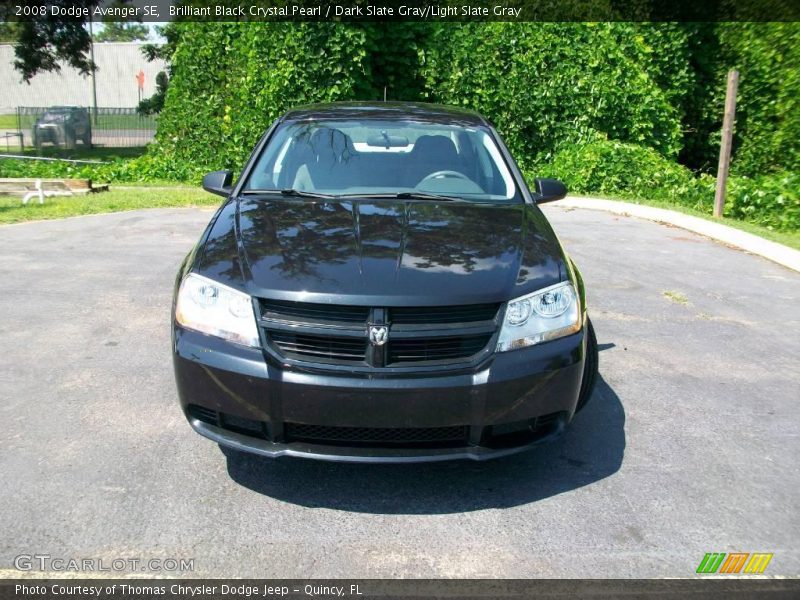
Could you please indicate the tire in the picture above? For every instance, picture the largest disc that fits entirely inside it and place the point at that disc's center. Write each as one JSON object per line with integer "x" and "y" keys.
{"x": 589, "y": 367}
{"x": 37, "y": 141}
{"x": 69, "y": 139}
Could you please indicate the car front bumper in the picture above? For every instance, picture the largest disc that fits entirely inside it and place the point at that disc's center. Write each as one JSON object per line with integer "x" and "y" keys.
{"x": 240, "y": 399}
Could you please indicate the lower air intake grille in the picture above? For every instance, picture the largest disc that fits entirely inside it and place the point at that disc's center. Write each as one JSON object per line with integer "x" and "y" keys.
{"x": 376, "y": 435}
{"x": 202, "y": 413}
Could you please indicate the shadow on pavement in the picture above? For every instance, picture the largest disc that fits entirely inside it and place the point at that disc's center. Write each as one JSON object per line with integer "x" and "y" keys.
{"x": 590, "y": 450}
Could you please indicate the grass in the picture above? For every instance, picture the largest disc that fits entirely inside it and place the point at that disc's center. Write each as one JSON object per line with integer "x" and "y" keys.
{"x": 787, "y": 238}
{"x": 107, "y": 122}
{"x": 8, "y": 121}
{"x": 676, "y": 297}
{"x": 117, "y": 199}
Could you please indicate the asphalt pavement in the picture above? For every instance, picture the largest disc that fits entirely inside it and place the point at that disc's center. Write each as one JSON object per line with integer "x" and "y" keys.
{"x": 690, "y": 444}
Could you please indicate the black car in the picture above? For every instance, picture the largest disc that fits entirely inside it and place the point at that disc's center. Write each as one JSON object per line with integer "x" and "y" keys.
{"x": 380, "y": 285}
{"x": 63, "y": 126}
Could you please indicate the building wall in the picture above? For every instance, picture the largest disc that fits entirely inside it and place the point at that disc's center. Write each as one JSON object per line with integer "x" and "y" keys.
{"x": 118, "y": 63}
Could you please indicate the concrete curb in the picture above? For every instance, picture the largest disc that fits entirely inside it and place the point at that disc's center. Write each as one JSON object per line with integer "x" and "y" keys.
{"x": 783, "y": 255}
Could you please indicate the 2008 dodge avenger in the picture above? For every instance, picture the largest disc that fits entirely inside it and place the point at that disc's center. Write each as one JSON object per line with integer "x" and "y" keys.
{"x": 379, "y": 285}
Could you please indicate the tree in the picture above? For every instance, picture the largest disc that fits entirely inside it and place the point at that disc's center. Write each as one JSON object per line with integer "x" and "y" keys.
{"x": 8, "y": 32}
{"x": 116, "y": 31}
{"x": 154, "y": 104}
{"x": 45, "y": 41}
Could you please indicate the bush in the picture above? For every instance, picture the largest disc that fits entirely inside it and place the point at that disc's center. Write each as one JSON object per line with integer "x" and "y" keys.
{"x": 231, "y": 80}
{"x": 139, "y": 169}
{"x": 767, "y": 56}
{"x": 769, "y": 200}
{"x": 625, "y": 170}
{"x": 628, "y": 170}
{"x": 545, "y": 85}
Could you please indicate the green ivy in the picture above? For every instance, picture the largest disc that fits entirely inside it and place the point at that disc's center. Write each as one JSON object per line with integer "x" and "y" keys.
{"x": 231, "y": 80}
{"x": 548, "y": 84}
{"x": 615, "y": 168}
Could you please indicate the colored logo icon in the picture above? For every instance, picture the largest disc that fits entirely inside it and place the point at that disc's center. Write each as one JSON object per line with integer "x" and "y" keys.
{"x": 733, "y": 563}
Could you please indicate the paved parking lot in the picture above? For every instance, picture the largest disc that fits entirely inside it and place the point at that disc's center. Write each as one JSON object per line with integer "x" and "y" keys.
{"x": 690, "y": 444}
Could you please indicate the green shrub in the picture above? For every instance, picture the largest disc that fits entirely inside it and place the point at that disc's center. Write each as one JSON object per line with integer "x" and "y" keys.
{"x": 617, "y": 168}
{"x": 767, "y": 56}
{"x": 549, "y": 84}
{"x": 231, "y": 80}
{"x": 614, "y": 168}
{"x": 769, "y": 200}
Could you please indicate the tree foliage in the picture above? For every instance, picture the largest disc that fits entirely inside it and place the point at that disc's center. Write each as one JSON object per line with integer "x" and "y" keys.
{"x": 155, "y": 103}
{"x": 546, "y": 84}
{"x": 231, "y": 80}
{"x": 767, "y": 56}
{"x": 9, "y": 32}
{"x": 46, "y": 42}
{"x": 120, "y": 31}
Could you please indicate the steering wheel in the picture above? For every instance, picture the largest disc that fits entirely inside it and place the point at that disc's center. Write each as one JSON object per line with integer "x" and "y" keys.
{"x": 444, "y": 174}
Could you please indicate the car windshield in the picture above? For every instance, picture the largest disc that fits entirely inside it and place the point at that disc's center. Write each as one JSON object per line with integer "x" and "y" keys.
{"x": 372, "y": 157}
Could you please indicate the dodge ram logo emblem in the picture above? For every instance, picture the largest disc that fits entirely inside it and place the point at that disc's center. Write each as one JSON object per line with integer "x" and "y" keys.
{"x": 378, "y": 334}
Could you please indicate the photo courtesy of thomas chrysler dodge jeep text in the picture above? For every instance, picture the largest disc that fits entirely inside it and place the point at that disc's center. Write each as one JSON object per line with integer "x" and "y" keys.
{"x": 380, "y": 285}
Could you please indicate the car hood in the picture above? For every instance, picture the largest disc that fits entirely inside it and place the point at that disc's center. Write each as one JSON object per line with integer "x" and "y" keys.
{"x": 384, "y": 252}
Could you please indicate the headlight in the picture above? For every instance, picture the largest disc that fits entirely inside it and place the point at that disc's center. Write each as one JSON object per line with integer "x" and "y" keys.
{"x": 210, "y": 307}
{"x": 539, "y": 317}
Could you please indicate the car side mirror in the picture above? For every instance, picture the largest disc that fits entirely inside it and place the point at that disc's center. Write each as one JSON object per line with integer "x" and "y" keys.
{"x": 219, "y": 182}
{"x": 548, "y": 190}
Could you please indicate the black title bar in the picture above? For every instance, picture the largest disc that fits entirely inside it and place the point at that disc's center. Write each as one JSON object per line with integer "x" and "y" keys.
{"x": 408, "y": 589}
{"x": 400, "y": 10}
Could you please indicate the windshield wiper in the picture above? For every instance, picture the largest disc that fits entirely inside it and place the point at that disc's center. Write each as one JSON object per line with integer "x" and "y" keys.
{"x": 289, "y": 193}
{"x": 406, "y": 196}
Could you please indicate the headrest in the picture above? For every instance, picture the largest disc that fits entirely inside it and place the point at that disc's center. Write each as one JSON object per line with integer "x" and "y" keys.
{"x": 437, "y": 146}
{"x": 328, "y": 142}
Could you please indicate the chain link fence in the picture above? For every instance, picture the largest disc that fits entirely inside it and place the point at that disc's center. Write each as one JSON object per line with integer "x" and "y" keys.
{"x": 70, "y": 127}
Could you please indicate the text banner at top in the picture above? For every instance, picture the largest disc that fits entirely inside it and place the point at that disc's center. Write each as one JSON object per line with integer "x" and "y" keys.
{"x": 399, "y": 10}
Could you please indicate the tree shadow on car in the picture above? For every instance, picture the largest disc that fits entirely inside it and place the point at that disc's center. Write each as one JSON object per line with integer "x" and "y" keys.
{"x": 591, "y": 449}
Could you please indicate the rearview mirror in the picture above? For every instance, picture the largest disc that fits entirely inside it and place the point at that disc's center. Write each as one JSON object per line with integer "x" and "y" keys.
{"x": 548, "y": 190}
{"x": 219, "y": 182}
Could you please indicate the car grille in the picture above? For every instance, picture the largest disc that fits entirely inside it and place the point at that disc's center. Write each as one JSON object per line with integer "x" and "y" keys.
{"x": 419, "y": 437}
{"x": 443, "y": 314}
{"x": 306, "y": 311}
{"x": 330, "y": 334}
{"x": 320, "y": 347}
{"x": 436, "y": 349}
{"x": 379, "y": 436}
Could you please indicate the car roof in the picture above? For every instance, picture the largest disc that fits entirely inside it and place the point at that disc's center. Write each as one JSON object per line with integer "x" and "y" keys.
{"x": 402, "y": 111}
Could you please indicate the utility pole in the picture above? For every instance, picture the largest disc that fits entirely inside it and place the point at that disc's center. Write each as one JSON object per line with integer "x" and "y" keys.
{"x": 725, "y": 144}
{"x": 94, "y": 70}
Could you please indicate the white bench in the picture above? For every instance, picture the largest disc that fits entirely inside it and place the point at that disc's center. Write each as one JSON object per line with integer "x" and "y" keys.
{"x": 61, "y": 190}
{"x": 41, "y": 187}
